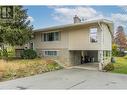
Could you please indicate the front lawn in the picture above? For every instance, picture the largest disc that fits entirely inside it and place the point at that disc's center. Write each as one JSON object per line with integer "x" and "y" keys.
{"x": 18, "y": 68}
{"x": 120, "y": 65}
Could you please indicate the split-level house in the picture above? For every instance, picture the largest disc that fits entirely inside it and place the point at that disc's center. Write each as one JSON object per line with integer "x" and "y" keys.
{"x": 70, "y": 44}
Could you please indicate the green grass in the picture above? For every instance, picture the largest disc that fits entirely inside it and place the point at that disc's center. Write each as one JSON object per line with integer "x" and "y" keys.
{"x": 120, "y": 65}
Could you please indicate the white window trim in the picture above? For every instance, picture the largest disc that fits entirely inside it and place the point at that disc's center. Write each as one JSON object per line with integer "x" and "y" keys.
{"x": 93, "y": 33}
{"x": 57, "y": 54}
{"x": 42, "y": 36}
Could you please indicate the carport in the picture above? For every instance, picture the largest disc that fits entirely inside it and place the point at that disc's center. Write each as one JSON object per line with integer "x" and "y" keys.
{"x": 86, "y": 59}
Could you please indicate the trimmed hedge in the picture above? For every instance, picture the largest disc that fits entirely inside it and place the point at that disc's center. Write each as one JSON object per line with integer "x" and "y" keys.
{"x": 28, "y": 54}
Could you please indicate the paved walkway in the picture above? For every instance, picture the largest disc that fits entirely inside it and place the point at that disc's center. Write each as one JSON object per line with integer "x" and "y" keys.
{"x": 69, "y": 79}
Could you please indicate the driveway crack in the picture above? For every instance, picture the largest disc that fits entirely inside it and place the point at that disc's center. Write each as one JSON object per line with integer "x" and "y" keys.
{"x": 77, "y": 84}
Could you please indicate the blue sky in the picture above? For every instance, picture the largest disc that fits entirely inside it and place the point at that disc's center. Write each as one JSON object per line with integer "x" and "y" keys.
{"x": 46, "y": 16}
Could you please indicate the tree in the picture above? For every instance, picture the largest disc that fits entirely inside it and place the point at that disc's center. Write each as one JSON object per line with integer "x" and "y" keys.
{"x": 17, "y": 31}
{"x": 115, "y": 51}
{"x": 120, "y": 38}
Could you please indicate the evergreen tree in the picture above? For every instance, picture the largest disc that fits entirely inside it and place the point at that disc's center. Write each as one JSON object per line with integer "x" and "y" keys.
{"x": 18, "y": 30}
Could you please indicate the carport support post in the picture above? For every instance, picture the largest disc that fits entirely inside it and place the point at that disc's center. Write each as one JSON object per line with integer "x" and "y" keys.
{"x": 101, "y": 49}
{"x": 82, "y": 54}
{"x": 101, "y": 60}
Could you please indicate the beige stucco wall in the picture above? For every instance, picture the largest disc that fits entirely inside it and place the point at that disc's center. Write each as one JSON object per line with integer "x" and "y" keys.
{"x": 79, "y": 39}
{"x": 63, "y": 43}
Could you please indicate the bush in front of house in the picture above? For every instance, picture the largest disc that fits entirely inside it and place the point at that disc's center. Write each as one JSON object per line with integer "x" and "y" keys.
{"x": 53, "y": 65}
{"x": 5, "y": 53}
{"x": 109, "y": 67}
{"x": 28, "y": 54}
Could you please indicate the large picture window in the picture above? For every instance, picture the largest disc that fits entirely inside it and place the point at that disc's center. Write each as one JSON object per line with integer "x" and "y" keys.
{"x": 93, "y": 35}
{"x": 53, "y": 36}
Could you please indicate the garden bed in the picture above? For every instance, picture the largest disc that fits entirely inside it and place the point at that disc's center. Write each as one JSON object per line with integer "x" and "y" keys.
{"x": 18, "y": 68}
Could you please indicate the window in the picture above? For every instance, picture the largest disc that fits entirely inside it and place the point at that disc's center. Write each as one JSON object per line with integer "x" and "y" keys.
{"x": 31, "y": 45}
{"x": 50, "y": 53}
{"x": 53, "y": 36}
{"x": 93, "y": 35}
{"x": 107, "y": 53}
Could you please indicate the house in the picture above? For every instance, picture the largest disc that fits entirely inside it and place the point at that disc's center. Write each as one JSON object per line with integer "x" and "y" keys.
{"x": 72, "y": 43}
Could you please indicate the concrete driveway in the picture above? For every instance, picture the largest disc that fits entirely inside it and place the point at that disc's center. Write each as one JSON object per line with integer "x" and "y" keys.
{"x": 69, "y": 79}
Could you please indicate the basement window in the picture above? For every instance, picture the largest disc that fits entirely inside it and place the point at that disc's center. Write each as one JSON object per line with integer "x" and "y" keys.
{"x": 93, "y": 35}
{"x": 50, "y": 53}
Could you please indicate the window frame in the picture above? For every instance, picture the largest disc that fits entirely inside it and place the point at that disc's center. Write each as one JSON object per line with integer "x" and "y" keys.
{"x": 94, "y": 33}
{"x": 45, "y": 36}
{"x": 32, "y": 45}
{"x": 51, "y": 53}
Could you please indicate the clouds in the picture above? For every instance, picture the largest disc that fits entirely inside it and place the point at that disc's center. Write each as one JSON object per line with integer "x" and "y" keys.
{"x": 119, "y": 19}
{"x": 30, "y": 18}
{"x": 124, "y": 8}
{"x": 66, "y": 14}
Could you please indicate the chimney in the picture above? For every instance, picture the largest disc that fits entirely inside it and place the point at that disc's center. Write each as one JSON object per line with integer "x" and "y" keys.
{"x": 76, "y": 19}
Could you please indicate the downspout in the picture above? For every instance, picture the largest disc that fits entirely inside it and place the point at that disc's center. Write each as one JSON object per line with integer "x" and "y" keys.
{"x": 101, "y": 50}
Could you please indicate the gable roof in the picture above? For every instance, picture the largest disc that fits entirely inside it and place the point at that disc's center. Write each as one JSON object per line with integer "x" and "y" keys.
{"x": 108, "y": 22}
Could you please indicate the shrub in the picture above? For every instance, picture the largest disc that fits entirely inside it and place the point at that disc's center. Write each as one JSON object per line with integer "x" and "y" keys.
{"x": 121, "y": 54}
{"x": 115, "y": 51}
{"x": 28, "y": 54}
{"x": 109, "y": 67}
{"x": 125, "y": 56}
{"x": 4, "y": 53}
{"x": 10, "y": 51}
{"x": 52, "y": 65}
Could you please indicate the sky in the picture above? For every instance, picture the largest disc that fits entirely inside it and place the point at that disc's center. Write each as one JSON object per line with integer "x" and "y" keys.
{"x": 46, "y": 16}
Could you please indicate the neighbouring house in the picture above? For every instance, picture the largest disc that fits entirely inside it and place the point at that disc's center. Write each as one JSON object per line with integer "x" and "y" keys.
{"x": 73, "y": 44}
